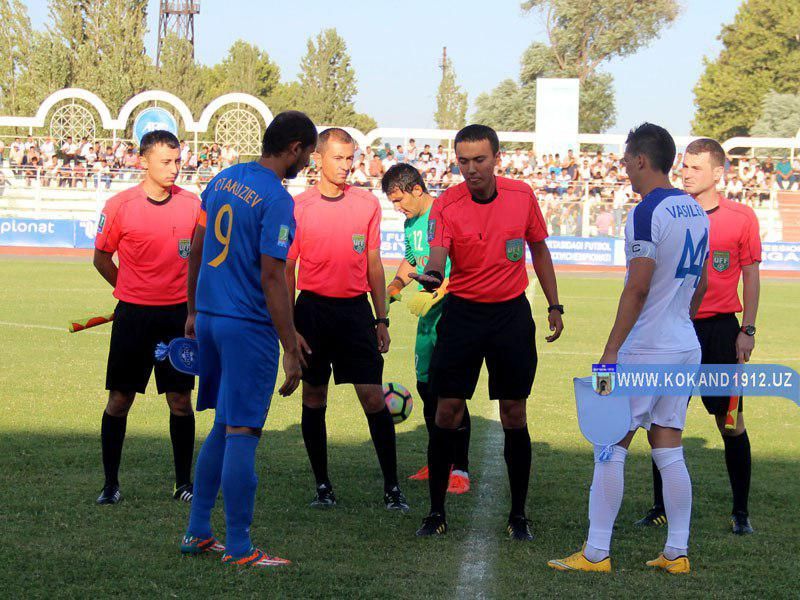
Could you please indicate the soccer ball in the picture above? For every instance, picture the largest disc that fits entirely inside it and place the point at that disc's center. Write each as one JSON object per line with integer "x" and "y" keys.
{"x": 398, "y": 400}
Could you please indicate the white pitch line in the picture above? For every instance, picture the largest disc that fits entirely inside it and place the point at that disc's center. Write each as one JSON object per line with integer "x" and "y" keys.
{"x": 48, "y": 327}
{"x": 480, "y": 548}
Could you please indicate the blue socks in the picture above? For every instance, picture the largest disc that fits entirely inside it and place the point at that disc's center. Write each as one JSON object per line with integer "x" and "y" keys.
{"x": 239, "y": 483}
{"x": 207, "y": 476}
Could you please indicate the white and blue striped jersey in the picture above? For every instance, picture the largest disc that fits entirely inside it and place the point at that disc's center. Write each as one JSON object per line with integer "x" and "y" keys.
{"x": 671, "y": 228}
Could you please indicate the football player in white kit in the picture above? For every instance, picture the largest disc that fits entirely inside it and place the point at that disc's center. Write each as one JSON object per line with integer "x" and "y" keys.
{"x": 666, "y": 246}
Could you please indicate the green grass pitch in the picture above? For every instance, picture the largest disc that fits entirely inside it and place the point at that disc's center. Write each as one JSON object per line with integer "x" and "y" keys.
{"x": 57, "y": 542}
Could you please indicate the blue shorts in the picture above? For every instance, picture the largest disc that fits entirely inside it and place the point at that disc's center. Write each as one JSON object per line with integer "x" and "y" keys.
{"x": 238, "y": 369}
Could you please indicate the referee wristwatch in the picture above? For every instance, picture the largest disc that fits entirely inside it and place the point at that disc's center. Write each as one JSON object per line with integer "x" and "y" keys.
{"x": 384, "y": 320}
{"x": 748, "y": 330}
{"x": 558, "y": 307}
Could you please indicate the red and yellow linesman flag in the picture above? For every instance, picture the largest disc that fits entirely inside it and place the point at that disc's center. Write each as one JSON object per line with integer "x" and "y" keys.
{"x": 732, "y": 413}
{"x": 80, "y": 324}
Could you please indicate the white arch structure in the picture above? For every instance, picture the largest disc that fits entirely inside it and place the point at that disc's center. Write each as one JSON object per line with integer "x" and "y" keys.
{"x": 363, "y": 139}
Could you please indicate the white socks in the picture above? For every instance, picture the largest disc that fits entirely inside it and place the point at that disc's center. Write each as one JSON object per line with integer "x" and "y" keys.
{"x": 605, "y": 499}
{"x": 677, "y": 499}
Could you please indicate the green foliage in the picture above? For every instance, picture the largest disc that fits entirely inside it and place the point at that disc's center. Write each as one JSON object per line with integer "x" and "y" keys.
{"x": 247, "y": 69}
{"x": 451, "y": 101}
{"x": 581, "y": 36}
{"x": 761, "y": 52}
{"x": 181, "y": 75}
{"x": 327, "y": 83}
{"x": 780, "y": 116}
{"x": 105, "y": 39}
{"x": 15, "y": 35}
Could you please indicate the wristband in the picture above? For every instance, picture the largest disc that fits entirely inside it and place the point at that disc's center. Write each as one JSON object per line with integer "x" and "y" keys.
{"x": 558, "y": 307}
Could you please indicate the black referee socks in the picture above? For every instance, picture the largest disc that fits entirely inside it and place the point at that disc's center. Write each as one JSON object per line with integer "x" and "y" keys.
{"x": 517, "y": 453}
{"x": 315, "y": 437}
{"x": 112, "y": 436}
{"x": 441, "y": 445}
{"x": 737, "y": 459}
{"x": 181, "y": 432}
{"x": 381, "y": 428}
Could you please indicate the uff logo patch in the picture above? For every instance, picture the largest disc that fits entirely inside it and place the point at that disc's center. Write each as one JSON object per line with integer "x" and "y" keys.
{"x": 431, "y": 230}
{"x": 359, "y": 242}
{"x": 721, "y": 260}
{"x": 515, "y": 249}
{"x": 101, "y": 223}
{"x": 283, "y": 236}
{"x": 184, "y": 247}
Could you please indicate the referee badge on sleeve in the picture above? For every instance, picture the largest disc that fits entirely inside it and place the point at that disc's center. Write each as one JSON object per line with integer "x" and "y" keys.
{"x": 721, "y": 260}
{"x": 101, "y": 223}
{"x": 359, "y": 242}
{"x": 515, "y": 249}
{"x": 431, "y": 230}
{"x": 184, "y": 246}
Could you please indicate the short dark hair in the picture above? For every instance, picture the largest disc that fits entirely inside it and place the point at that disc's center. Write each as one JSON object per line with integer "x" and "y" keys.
{"x": 478, "y": 133}
{"x": 403, "y": 177}
{"x": 286, "y": 128}
{"x": 336, "y": 133}
{"x": 655, "y": 143}
{"x": 160, "y": 137}
{"x": 713, "y": 147}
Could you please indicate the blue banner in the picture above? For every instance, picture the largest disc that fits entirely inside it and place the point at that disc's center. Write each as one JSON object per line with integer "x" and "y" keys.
{"x": 45, "y": 233}
{"x": 780, "y": 256}
{"x": 582, "y": 251}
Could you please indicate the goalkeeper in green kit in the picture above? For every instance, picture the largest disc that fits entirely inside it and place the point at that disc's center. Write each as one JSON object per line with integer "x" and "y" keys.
{"x": 405, "y": 189}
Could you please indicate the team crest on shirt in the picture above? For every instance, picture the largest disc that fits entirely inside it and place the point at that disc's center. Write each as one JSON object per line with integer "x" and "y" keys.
{"x": 184, "y": 246}
{"x": 101, "y": 223}
{"x": 359, "y": 242}
{"x": 431, "y": 230}
{"x": 283, "y": 236}
{"x": 721, "y": 260}
{"x": 515, "y": 249}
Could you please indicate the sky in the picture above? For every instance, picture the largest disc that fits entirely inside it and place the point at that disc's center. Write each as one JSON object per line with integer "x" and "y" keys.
{"x": 396, "y": 49}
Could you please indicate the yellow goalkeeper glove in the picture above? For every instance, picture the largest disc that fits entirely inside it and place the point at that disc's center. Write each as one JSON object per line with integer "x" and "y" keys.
{"x": 393, "y": 294}
{"x": 421, "y": 304}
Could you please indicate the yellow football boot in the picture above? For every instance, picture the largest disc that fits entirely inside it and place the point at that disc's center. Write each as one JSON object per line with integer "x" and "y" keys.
{"x": 579, "y": 562}
{"x": 677, "y": 566}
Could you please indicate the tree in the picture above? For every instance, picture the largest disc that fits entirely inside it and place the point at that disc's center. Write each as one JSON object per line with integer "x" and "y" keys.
{"x": 284, "y": 97}
{"x": 105, "y": 39}
{"x": 15, "y": 37}
{"x": 248, "y": 69}
{"x": 509, "y": 107}
{"x": 761, "y": 52}
{"x": 780, "y": 116}
{"x": 581, "y": 37}
{"x": 46, "y": 71}
{"x": 327, "y": 83}
{"x": 182, "y": 76}
{"x": 451, "y": 102}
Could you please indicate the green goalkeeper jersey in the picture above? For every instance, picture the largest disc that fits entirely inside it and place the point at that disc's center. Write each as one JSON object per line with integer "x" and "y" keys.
{"x": 418, "y": 249}
{"x": 417, "y": 253}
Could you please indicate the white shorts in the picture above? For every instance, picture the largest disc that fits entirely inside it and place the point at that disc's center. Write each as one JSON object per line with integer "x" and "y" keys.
{"x": 665, "y": 411}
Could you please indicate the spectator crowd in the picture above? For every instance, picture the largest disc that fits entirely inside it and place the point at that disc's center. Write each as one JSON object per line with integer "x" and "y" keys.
{"x": 565, "y": 186}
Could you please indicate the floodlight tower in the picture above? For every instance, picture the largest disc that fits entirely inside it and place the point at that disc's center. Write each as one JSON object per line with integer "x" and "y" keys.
{"x": 177, "y": 17}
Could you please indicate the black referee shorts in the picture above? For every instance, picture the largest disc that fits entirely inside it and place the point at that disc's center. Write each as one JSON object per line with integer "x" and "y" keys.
{"x": 717, "y": 336}
{"x": 131, "y": 357}
{"x": 341, "y": 334}
{"x": 502, "y": 333}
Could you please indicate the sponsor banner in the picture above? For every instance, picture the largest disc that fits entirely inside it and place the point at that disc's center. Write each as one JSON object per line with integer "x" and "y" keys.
{"x": 780, "y": 256}
{"x": 583, "y": 251}
{"x": 600, "y": 251}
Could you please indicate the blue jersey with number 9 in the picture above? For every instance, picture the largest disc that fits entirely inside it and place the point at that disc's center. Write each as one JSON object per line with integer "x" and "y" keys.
{"x": 669, "y": 227}
{"x": 248, "y": 213}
